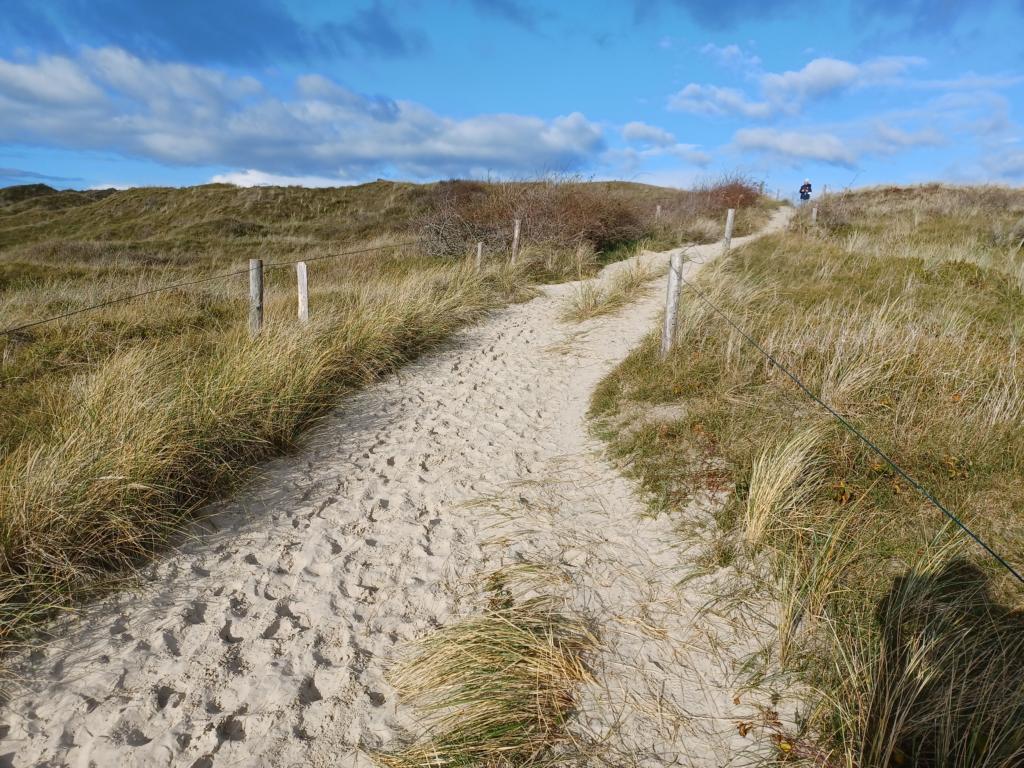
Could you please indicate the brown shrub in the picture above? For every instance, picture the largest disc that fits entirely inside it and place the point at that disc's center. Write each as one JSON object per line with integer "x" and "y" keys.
{"x": 558, "y": 214}
{"x": 727, "y": 192}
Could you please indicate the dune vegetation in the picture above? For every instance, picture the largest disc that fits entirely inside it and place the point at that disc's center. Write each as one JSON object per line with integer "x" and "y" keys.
{"x": 903, "y": 309}
{"x": 117, "y": 425}
{"x": 499, "y": 688}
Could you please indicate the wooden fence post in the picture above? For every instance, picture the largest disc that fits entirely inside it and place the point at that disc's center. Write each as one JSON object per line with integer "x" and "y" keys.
{"x": 515, "y": 240}
{"x": 657, "y": 212}
{"x": 300, "y": 277}
{"x": 255, "y": 296}
{"x": 479, "y": 254}
{"x": 675, "y": 275}
{"x": 814, "y": 215}
{"x": 730, "y": 218}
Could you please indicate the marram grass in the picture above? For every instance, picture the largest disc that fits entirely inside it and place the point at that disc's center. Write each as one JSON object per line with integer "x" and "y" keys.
{"x": 134, "y": 445}
{"x": 497, "y": 689}
{"x": 902, "y": 308}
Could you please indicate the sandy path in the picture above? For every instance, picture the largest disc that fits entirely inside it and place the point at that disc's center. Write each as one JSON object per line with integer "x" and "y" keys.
{"x": 264, "y": 642}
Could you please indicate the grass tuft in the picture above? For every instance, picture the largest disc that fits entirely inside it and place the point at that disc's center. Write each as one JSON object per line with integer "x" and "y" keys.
{"x": 497, "y": 689}
{"x": 597, "y": 297}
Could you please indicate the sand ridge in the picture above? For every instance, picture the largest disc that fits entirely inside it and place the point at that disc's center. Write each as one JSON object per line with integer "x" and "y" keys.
{"x": 265, "y": 640}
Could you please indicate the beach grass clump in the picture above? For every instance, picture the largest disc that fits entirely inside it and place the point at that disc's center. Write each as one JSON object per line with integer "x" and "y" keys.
{"x": 498, "y": 688}
{"x": 604, "y": 296}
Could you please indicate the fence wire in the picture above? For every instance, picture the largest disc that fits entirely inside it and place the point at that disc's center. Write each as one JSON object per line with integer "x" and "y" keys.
{"x": 913, "y": 482}
{"x": 185, "y": 284}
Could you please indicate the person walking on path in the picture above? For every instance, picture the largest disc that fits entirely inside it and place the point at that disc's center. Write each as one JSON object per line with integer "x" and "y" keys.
{"x": 805, "y": 190}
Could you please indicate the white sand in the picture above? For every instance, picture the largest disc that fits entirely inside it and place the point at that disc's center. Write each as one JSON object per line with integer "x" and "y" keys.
{"x": 265, "y": 641}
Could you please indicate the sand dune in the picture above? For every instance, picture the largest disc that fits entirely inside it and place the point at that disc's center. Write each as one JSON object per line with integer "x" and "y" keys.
{"x": 265, "y": 640}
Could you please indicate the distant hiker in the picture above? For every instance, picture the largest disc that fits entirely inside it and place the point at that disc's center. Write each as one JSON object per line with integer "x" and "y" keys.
{"x": 805, "y": 190}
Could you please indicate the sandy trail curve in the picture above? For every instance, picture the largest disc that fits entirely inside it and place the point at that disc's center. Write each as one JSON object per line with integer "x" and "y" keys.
{"x": 264, "y": 642}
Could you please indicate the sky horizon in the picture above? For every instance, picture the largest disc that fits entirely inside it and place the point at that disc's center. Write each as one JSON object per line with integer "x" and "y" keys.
{"x": 130, "y": 93}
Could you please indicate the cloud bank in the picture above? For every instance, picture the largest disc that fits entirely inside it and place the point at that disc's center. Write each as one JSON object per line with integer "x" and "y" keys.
{"x": 179, "y": 114}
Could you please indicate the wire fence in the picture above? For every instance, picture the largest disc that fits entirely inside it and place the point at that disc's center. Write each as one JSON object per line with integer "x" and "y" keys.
{"x": 222, "y": 276}
{"x": 910, "y": 480}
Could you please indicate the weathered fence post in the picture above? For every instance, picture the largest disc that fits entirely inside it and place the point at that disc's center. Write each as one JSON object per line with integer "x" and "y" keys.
{"x": 675, "y": 275}
{"x": 255, "y": 296}
{"x": 515, "y": 239}
{"x": 300, "y": 276}
{"x": 657, "y": 212}
{"x": 730, "y": 218}
{"x": 814, "y": 215}
{"x": 479, "y": 254}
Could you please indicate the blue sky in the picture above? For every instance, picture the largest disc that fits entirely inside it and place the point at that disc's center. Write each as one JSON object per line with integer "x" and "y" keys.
{"x": 129, "y": 92}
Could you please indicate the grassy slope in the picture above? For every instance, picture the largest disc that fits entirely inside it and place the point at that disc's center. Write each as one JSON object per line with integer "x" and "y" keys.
{"x": 117, "y": 424}
{"x": 903, "y": 309}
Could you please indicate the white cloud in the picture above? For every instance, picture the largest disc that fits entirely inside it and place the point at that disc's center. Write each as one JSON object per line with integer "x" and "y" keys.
{"x": 165, "y": 84}
{"x": 689, "y": 153}
{"x": 818, "y": 77}
{"x": 889, "y": 139}
{"x": 254, "y": 178}
{"x": 715, "y": 101}
{"x": 647, "y": 135}
{"x": 629, "y": 161}
{"x": 794, "y": 147}
{"x": 731, "y": 56}
{"x": 788, "y": 92}
{"x": 52, "y": 80}
{"x": 180, "y": 114}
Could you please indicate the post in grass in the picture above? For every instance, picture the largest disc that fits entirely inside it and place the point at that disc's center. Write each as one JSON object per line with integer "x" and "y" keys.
{"x": 657, "y": 212}
{"x": 675, "y": 276}
{"x": 730, "y": 219}
{"x": 515, "y": 239}
{"x": 255, "y": 296}
{"x": 479, "y": 254}
{"x": 814, "y": 215}
{"x": 303, "y": 286}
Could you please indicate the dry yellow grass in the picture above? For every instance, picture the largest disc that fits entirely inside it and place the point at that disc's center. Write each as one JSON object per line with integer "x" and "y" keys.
{"x": 902, "y": 308}
{"x": 109, "y": 457}
{"x": 596, "y": 297}
{"x": 497, "y": 689}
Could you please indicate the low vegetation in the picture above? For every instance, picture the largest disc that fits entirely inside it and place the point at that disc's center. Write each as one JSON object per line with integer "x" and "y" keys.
{"x": 596, "y": 297}
{"x": 118, "y": 424}
{"x": 498, "y": 688}
{"x": 903, "y": 309}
